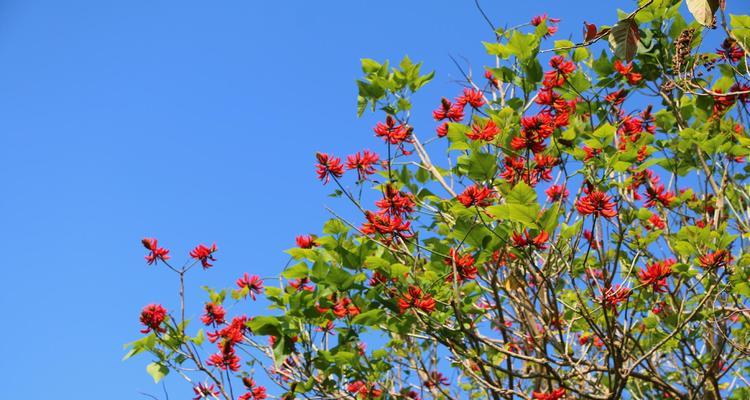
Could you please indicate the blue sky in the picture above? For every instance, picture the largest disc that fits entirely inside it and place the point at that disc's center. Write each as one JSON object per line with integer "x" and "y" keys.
{"x": 192, "y": 122}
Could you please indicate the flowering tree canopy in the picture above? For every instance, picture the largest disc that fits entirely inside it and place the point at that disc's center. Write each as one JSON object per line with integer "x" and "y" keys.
{"x": 573, "y": 226}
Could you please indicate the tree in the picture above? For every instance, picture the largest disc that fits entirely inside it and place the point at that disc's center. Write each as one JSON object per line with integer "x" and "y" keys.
{"x": 586, "y": 236}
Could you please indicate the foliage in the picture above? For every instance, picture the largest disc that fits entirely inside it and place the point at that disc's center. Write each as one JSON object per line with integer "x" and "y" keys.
{"x": 586, "y": 236}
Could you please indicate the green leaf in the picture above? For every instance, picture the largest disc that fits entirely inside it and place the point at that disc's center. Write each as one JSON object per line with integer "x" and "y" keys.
{"x": 497, "y": 49}
{"x": 296, "y": 271}
{"x": 369, "y": 318}
{"x": 703, "y": 11}
{"x": 523, "y": 45}
{"x": 157, "y": 371}
{"x": 265, "y": 325}
{"x": 624, "y": 38}
{"x": 740, "y": 25}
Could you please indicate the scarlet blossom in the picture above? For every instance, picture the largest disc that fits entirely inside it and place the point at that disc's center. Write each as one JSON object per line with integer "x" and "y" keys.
{"x": 626, "y": 70}
{"x": 364, "y": 390}
{"x": 301, "y": 284}
{"x": 656, "y": 274}
{"x": 205, "y": 391}
{"x": 722, "y": 102}
{"x": 656, "y": 194}
{"x": 152, "y": 317}
{"x": 156, "y": 253}
{"x": 730, "y": 50}
{"x": 363, "y": 162}
{"x": 256, "y": 392}
{"x": 556, "y": 394}
{"x": 528, "y": 140}
{"x": 395, "y": 202}
{"x": 465, "y": 269}
{"x": 449, "y": 111}
{"x": 384, "y": 224}
{"x": 559, "y": 73}
{"x": 345, "y": 307}
{"x": 616, "y": 98}
{"x": 716, "y": 259}
{"x": 744, "y": 95}
{"x": 226, "y": 359}
{"x": 232, "y": 333}
{"x": 524, "y": 240}
{"x": 442, "y": 130}
{"x": 253, "y": 283}
{"x": 328, "y": 166}
{"x": 435, "y": 379}
{"x": 589, "y": 152}
{"x": 613, "y": 296}
{"x": 305, "y": 241}
{"x": 392, "y": 132}
{"x": 491, "y": 79}
{"x": 589, "y": 236}
{"x": 557, "y": 193}
{"x": 472, "y": 97}
{"x": 486, "y": 133}
{"x": 204, "y": 254}
{"x": 476, "y": 196}
{"x": 540, "y": 125}
{"x": 538, "y": 19}
{"x": 379, "y": 279}
{"x": 657, "y": 222}
{"x": 415, "y": 298}
{"x": 215, "y": 314}
{"x": 597, "y": 203}
{"x": 515, "y": 170}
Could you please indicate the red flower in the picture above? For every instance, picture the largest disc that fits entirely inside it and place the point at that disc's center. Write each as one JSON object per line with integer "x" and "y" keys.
{"x": 204, "y": 254}
{"x": 525, "y": 239}
{"x": 656, "y": 275}
{"x": 225, "y": 360}
{"x": 363, "y": 162}
{"x": 364, "y": 390}
{"x": 215, "y": 314}
{"x": 557, "y": 193}
{"x": 657, "y": 222}
{"x": 395, "y": 202}
{"x": 472, "y": 97}
{"x": 556, "y": 394}
{"x": 449, "y": 111}
{"x": 152, "y": 317}
{"x": 464, "y": 266}
{"x": 491, "y": 78}
{"x": 559, "y": 73}
{"x": 730, "y": 50}
{"x": 328, "y": 166}
{"x": 253, "y": 283}
{"x": 156, "y": 253}
{"x": 538, "y": 19}
{"x": 345, "y": 307}
{"x": 614, "y": 296}
{"x": 415, "y": 298}
{"x": 232, "y": 333}
{"x": 205, "y": 391}
{"x": 716, "y": 259}
{"x": 442, "y": 130}
{"x": 590, "y": 153}
{"x": 486, "y": 132}
{"x": 301, "y": 284}
{"x": 475, "y": 196}
{"x": 435, "y": 379}
{"x": 305, "y": 241}
{"x": 597, "y": 203}
{"x": 385, "y": 224}
{"x": 256, "y": 392}
{"x": 656, "y": 194}
{"x": 392, "y": 132}
{"x": 627, "y": 71}
{"x": 616, "y": 98}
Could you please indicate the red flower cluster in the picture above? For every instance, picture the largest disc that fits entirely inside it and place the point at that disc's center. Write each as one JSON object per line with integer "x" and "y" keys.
{"x": 472, "y": 97}
{"x": 156, "y": 253}
{"x": 449, "y": 111}
{"x": 486, "y": 133}
{"x": 205, "y": 391}
{"x": 626, "y": 70}
{"x": 557, "y": 193}
{"x": 616, "y": 98}
{"x": 215, "y": 314}
{"x": 613, "y": 296}
{"x": 328, "y": 166}
{"x": 556, "y": 394}
{"x": 561, "y": 69}
{"x": 435, "y": 379}
{"x": 465, "y": 269}
{"x": 226, "y": 359}
{"x": 253, "y": 283}
{"x": 551, "y": 29}
{"x": 656, "y": 194}
{"x": 364, "y": 390}
{"x": 204, "y": 254}
{"x": 255, "y": 392}
{"x": 395, "y": 202}
{"x": 597, "y": 203}
{"x": 730, "y": 50}
{"x": 387, "y": 225}
{"x": 152, "y": 317}
{"x": 716, "y": 259}
{"x": 345, "y": 307}
{"x": 305, "y": 241}
{"x": 393, "y": 132}
{"x": 415, "y": 298}
{"x": 363, "y": 162}
{"x": 521, "y": 240}
{"x": 476, "y": 196}
{"x": 656, "y": 275}
{"x": 230, "y": 335}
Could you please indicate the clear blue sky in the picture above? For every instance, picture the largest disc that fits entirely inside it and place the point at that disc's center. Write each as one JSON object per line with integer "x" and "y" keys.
{"x": 189, "y": 121}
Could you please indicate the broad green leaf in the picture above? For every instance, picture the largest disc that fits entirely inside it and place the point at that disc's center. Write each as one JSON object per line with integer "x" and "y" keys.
{"x": 157, "y": 371}
{"x": 703, "y": 11}
{"x": 624, "y": 38}
{"x": 741, "y": 29}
